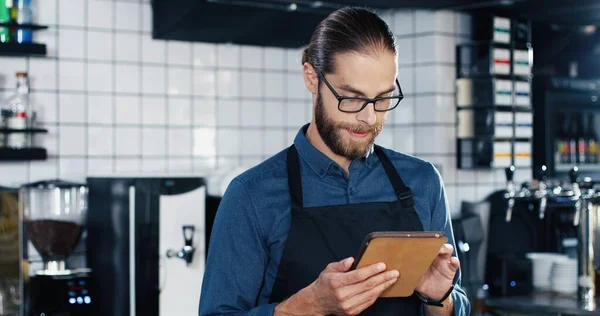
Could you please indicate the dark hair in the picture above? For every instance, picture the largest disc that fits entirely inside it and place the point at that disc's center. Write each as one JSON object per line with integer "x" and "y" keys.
{"x": 349, "y": 29}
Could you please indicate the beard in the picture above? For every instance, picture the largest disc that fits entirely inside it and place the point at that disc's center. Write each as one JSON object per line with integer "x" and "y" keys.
{"x": 331, "y": 133}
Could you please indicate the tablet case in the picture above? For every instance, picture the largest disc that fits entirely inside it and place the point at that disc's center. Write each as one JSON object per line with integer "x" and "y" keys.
{"x": 411, "y": 253}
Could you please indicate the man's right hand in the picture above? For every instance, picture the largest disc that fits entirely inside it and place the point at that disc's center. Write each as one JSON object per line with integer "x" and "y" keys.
{"x": 338, "y": 291}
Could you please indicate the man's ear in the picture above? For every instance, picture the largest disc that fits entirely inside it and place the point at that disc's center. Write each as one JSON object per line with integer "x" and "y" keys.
{"x": 311, "y": 79}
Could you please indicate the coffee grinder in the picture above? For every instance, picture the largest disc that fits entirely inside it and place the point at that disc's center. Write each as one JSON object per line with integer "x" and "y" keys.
{"x": 53, "y": 216}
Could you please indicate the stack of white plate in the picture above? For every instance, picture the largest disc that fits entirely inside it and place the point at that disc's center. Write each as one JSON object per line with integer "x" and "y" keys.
{"x": 542, "y": 264}
{"x": 564, "y": 276}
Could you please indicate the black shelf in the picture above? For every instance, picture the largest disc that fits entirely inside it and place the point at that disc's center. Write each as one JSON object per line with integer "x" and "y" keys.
{"x": 507, "y": 108}
{"x": 24, "y": 130}
{"x": 29, "y": 26}
{"x": 22, "y": 154}
{"x": 497, "y": 139}
{"x": 16, "y": 49}
{"x": 581, "y": 167}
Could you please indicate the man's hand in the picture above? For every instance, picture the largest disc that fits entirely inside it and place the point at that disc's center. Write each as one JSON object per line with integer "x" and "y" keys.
{"x": 438, "y": 279}
{"x": 340, "y": 292}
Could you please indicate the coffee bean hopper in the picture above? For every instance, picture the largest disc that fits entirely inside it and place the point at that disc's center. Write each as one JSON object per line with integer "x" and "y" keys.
{"x": 53, "y": 217}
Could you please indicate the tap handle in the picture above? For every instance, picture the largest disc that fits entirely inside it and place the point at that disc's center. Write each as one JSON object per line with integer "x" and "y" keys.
{"x": 510, "y": 173}
{"x": 574, "y": 175}
{"x": 188, "y": 234}
{"x": 543, "y": 174}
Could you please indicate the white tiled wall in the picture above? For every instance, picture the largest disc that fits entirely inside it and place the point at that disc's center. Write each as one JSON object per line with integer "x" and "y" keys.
{"x": 115, "y": 100}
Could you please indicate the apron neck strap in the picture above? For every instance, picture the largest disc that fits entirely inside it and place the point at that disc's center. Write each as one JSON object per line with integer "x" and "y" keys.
{"x": 403, "y": 192}
{"x": 294, "y": 179}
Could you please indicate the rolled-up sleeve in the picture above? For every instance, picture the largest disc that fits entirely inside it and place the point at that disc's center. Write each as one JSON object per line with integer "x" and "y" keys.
{"x": 441, "y": 221}
{"x": 237, "y": 259}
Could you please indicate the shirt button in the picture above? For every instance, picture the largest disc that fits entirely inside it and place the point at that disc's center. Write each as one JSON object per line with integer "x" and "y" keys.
{"x": 351, "y": 191}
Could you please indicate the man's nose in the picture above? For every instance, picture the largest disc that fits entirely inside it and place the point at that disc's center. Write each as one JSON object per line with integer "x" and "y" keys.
{"x": 368, "y": 114}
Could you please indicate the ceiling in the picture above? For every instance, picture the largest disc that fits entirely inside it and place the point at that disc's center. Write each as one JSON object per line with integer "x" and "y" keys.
{"x": 289, "y": 23}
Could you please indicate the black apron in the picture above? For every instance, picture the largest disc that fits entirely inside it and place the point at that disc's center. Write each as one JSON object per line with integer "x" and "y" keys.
{"x": 321, "y": 235}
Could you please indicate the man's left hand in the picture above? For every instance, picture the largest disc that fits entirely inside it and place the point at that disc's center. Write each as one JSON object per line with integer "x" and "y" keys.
{"x": 440, "y": 275}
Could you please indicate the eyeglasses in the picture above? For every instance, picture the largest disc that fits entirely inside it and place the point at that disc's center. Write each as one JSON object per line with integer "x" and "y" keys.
{"x": 357, "y": 104}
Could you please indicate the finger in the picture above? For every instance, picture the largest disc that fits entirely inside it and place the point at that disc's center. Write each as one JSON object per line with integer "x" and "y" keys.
{"x": 454, "y": 263}
{"x": 363, "y": 273}
{"x": 447, "y": 267}
{"x": 339, "y": 266}
{"x": 372, "y": 282}
{"x": 358, "y": 309}
{"x": 367, "y": 296}
{"x": 446, "y": 249}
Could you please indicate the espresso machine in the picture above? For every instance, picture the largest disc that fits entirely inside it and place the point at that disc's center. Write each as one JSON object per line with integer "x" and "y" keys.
{"x": 53, "y": 214}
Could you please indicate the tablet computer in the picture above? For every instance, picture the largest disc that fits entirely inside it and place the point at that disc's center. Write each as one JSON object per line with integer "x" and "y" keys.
{"x": 411, "y": 253}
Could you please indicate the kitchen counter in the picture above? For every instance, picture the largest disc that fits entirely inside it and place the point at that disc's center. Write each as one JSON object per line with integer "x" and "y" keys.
{"x": 541, "y": 303}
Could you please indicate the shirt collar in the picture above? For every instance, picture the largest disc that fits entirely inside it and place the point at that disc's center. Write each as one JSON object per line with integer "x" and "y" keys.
{"x": 317, "y": 160}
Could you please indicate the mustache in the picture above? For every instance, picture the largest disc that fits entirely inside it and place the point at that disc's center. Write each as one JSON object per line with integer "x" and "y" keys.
{"x": 360, "y": 129}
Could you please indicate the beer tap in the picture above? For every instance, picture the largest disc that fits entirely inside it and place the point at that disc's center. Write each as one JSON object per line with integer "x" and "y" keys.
{"x": 574, "y": 177}
{"x": 543, "y": 192}
{"x": 510, "y": 191}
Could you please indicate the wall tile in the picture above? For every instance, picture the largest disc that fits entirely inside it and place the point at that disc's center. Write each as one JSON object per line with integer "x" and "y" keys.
{"x": 205, "y": 82}
{"x": 71, "y": 12}
{"x": 275, "y": 58}
{"x": 251, "y": 113}
{"x": 46, "y": 12}
{"x": 179, "y": 53}
{"x": 128, "y": 141}
{"x": 179, "y": 81}
{"x": 252, "y": 57}
{"x": 154, "y": 111}
{"x": 43, "y": 170}
{"x": 406, "y": 48}
{"x": 154, "y": 141}
{"x": 101, "y": 14}
{"x": 180, "y": 142}
{"x": 179, "y": 111}
{"x": 71, "y": 75}
{"x": 425, "y": 49}
{"x": 153, "y": 79}
{"x": 72, "y": 108}
{"x": 404, "y": 22}
{"x": 127, "y": 78}
{"x": 228, "y": 56}
{"x": 100, "y": 109}
{"x": 100, "y": 166}
{"x": 204, "y": 54}
{"x": 100, "y": 141}
{"x": 44, "y": 104}
{"x": 127, "y": 165}
{"x": 100, "y": 45}
{"x": 252, "y": 84}
{"x": 205, "y": 112}
{"x": 100, "y": 77}
{"x": 252, "y": 142}
{"x": 228, "y": 113}
{"x": 127, "y": 110}
{"x": 205, "y": 142}
{"x": 71, "y": 43}
{"x": 153, "y": 51}
{"x": 127, "y": 47}
{"x": 72, "y": 169}
{"x": 72, "y": 141}
{"x": 228, "y": 141}
{"x": 128, "y": 16}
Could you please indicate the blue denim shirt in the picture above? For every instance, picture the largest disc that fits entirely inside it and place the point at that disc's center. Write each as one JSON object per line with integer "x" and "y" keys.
{"x": 253, "y": 220}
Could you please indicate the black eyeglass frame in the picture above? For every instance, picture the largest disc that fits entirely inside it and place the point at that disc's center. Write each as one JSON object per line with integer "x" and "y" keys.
{"x": 341, "y": 98}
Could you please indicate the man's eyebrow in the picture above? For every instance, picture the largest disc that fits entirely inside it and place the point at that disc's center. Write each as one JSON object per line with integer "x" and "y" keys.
{"x": 351, "y": 89}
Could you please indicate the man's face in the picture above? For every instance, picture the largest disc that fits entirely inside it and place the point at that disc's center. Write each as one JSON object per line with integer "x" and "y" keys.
{"x": 352, "y": 135}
